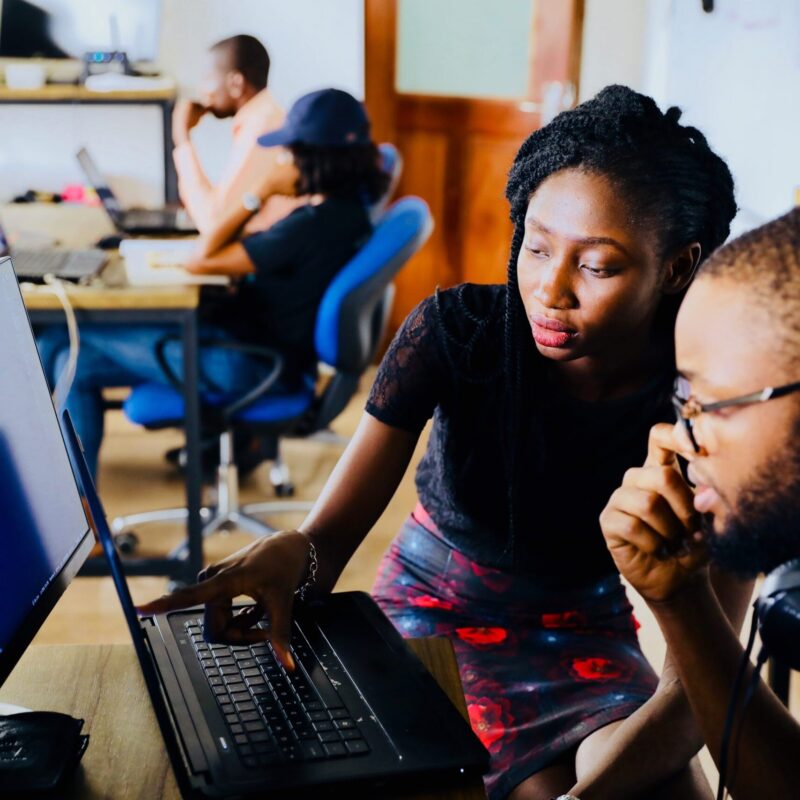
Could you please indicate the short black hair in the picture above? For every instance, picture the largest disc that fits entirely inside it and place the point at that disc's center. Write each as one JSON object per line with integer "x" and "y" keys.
{"x": 248, "y": 56}
{"x": 673, "y": 180}
{"x": 340, "y": 171}
{"x": 765, "y": 262}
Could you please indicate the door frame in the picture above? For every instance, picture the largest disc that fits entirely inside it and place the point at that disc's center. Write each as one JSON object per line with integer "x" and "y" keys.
{"x": 548, "y": 61}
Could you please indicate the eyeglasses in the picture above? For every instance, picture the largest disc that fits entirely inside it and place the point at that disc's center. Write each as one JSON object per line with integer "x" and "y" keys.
{"x": 689, "y": 408}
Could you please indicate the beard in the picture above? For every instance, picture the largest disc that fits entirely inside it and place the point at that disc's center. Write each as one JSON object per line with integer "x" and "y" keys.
{"x": 763, "y": 530}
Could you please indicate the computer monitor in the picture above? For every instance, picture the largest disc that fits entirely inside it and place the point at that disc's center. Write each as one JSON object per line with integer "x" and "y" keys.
{"x": 44, "y": 533}
{"x": 70, "y": 28}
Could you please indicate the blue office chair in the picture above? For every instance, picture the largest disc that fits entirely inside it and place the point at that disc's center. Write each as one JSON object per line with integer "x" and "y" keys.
{"x": 350, "y": 325}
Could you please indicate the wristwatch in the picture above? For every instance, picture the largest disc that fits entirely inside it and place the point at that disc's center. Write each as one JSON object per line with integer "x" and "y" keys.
{"x": 251, "y": 201}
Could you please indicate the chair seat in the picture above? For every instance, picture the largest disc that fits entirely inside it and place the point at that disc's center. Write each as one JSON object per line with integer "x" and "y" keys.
{"x": 157, "y": 405}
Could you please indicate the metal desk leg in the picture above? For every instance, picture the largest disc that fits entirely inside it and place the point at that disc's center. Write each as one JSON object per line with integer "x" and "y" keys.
{"x": 170, "y": 176}
{"x": 194, "y": 525}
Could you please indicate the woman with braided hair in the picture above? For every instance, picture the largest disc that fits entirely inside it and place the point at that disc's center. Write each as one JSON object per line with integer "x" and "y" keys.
{"x": 542, "y": 393}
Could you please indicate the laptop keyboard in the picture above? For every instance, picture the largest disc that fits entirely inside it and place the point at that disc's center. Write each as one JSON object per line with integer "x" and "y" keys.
{"x": 274, "y": 715}
{"x": 77, "y": 263}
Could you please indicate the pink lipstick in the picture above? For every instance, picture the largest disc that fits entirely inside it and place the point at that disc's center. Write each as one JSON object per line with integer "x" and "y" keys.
{"x": 549, "y": 332}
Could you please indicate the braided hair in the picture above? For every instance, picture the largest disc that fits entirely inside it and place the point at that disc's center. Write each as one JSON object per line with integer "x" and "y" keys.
{"x": 673, "y": 181}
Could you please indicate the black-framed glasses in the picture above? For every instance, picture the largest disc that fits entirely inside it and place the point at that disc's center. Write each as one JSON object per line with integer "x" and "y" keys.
{"x": 689, "y": 408}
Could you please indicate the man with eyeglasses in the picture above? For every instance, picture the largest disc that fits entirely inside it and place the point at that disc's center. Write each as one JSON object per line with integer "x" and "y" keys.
{"x": 738, "y": 503}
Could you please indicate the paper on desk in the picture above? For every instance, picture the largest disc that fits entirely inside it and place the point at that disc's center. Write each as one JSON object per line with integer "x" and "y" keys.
{"x": 157, "y": 262}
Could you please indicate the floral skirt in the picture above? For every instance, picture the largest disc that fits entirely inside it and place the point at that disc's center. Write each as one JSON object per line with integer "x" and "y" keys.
{"x": 541, "y": 668}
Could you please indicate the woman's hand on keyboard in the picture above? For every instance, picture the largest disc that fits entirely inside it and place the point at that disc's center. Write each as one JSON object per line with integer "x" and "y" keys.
{"x": 268, "y": 571}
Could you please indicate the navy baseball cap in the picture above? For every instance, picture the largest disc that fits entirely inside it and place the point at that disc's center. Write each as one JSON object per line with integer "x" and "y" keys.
{"x": 327, "y": 118}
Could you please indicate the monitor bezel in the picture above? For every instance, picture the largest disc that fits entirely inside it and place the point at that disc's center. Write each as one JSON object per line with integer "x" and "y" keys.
{"x": 35, "y": 618}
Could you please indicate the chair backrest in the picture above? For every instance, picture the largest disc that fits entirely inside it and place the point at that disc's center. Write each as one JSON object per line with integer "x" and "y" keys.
{"x": 392, "y": 165}
{"x": 353, "y": 310}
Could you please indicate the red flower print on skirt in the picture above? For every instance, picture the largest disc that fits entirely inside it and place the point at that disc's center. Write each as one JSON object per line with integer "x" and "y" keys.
{"x": 599, "y": 669}
{"x": 427, "y": 601}
{"x": 482, "y": 637}
{"x": 564, "y": 619}
{"x": 490, "y": 715}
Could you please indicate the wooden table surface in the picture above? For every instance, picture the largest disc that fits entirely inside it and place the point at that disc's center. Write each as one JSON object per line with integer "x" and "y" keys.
{"x": 61, "y": 92}
{"x": 32, "y": 225}
{"x": 126, "y": 757}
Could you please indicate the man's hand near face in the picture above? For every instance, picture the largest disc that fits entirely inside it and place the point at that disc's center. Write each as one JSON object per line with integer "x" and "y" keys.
{"x": 650, "y": 525}
{"x": 186, "y": 115}
{"x": 651, "y": 531}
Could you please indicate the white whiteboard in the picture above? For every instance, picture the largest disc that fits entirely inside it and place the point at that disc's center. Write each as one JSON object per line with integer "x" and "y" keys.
{"x": 736, "y": 74}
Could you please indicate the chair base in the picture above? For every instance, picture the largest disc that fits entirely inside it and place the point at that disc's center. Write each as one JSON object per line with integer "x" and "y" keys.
{"x": 228, "y": 514}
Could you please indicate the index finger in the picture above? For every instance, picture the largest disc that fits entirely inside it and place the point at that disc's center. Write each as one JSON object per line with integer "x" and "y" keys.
{"x": 204, "y": 592}
{"x": 662, "y": 446}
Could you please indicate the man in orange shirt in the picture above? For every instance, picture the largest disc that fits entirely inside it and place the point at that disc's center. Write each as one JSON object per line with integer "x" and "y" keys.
{"x": 235, "y": 86}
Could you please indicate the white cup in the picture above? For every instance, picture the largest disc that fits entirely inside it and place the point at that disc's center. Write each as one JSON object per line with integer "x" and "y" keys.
{"x": 25, "y": 76}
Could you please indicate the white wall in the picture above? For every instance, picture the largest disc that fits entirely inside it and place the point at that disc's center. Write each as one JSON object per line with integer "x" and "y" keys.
{"x": 613, "y": 44}
{"x": 736, "y": 75}
{"x": 312, "y": 43}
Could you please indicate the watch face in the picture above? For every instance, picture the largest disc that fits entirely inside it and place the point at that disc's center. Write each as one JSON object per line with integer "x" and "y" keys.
{"x": 251, "y": 201}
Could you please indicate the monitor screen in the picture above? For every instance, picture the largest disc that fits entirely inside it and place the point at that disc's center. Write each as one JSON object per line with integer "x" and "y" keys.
{"x": 43, "y": 526}
{"x": 70, "y": 28}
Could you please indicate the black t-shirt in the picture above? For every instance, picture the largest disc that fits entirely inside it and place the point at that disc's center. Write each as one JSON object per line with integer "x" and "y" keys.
{"x": 295, "y": 260}
{"x": 447, "y": 362}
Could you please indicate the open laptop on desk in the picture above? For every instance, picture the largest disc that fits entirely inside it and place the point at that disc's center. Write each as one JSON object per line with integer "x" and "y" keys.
{"x": 360, "y": 710}
{"x": 69, "y": 265}
{"x": 157, "y": 221}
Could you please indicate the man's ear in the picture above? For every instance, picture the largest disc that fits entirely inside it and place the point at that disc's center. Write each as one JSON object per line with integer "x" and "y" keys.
{"x": 680, "y": 268}
{"x": 235, "y": 82}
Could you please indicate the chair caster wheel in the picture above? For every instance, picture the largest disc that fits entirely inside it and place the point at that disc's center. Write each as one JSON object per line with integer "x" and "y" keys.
{"x": 284, "y": 490}
{"x": 126, "y": 543}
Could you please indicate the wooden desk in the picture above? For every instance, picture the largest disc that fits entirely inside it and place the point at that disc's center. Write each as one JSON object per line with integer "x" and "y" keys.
{"x": 68, "y": 94}
{"x": 126, "y": 757}
{"x": 109, "y": 301}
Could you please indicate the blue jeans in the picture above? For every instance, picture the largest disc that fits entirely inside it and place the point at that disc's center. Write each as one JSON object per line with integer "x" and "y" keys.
{"x": 125, "y": 355}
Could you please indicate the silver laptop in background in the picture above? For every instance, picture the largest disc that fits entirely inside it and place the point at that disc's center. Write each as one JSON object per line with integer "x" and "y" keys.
{"x": 79, "y": 266}
{"x": 133, "y": 220}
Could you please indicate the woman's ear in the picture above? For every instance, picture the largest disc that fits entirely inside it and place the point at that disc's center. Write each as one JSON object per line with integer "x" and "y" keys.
{"x": 680, "y": 268}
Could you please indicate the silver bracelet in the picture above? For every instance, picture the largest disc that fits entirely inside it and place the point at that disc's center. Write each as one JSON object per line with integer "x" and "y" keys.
{"x": 311, "y": 574}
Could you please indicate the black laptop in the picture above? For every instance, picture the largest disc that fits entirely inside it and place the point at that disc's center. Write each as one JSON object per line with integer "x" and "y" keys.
{"x": 360, "y": 711}
{"x": 151, "y": 221}
{"x": 78, "y": 266}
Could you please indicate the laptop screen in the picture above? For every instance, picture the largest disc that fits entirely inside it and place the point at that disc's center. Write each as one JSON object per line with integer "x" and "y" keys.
{"x": 99, "y": 184}
{"x": 42, "y": 520}
{"x": 5, "y": 248}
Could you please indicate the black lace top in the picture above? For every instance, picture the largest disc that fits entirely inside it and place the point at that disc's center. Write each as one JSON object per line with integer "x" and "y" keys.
{"x": 446, "y": 361}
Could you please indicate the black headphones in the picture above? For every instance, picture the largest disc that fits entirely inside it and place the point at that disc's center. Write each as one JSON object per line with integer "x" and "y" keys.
{"x": 778, "y": 613}
{"x": 776, "y": 617}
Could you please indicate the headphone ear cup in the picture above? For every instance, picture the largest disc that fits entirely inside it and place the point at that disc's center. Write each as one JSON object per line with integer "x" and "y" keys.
{"x": 779, "y": 627}
{"x": 778, "y": 608}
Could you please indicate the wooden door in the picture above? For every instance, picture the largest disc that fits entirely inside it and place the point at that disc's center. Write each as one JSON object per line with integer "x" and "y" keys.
{"x": 457, "y": 149}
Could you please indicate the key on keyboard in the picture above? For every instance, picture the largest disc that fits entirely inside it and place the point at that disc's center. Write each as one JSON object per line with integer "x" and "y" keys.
{"x": 273, "y": 715}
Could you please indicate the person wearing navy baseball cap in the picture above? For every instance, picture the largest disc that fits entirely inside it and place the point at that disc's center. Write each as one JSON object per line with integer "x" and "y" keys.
{"x": 324, "y": 157}
{"x": 327, "y": 118}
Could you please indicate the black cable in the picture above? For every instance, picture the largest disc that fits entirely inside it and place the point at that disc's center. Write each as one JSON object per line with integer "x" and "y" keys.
{"x": 731, "y": 714}
{"x": 748, "y": 696}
